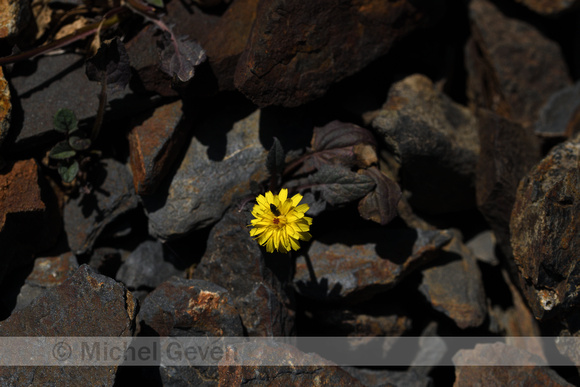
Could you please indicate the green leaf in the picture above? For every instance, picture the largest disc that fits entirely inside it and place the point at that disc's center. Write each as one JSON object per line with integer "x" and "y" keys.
{"x": 65, "y": 121}
{"x": 62, "y": 151}
{"x": 339, "y": 185}
{"x": 68, "y": 173}
{"x": 79, "y": 143}
{"x": 155, "y": 3}
{"x": 275, "y": 160}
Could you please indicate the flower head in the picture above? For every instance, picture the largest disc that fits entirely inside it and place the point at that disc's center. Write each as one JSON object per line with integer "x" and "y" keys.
{"x": 280, "y": 222}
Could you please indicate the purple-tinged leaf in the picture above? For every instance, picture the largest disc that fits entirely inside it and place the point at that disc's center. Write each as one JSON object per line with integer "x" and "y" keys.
{"x": 339, "y": 185}
{"x": 69, "y": 172}
{"x": 61, "y": 151}
{"x": 275, "y": 159}
{"x": 339, "y": 143}
{"x": 179, "y": 56}
{"x": 380, "y": 205}
{"x": 110, "y": 65}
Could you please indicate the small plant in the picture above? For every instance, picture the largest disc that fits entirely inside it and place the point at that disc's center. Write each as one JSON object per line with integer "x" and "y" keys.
{"x": 68, "y": 152}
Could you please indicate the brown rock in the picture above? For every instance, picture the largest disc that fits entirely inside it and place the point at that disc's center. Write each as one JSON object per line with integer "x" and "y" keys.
{"x": 29, "y": 222}
{"x": 154, "y": 145}
{"x": 5, "y": 107}
{"x": 550, "y": 7}
{"x": 359, "y": 265}
{"x": 560, "y": 116}
{"x": 453, "y": 285}
{"x": 508, "y": 151}
{"x": 545, "y": 232}
{"x": 286, "y": 373}
{"x": 235, "y": 261}
{"x": 433, "y": 142}
{"x": 181, "y": 307}
{"x": 511, "y": 366}
{"x": 513, "y": 69}
{"x": 298, "y": 49}
{"x": 86, "y": 304}
{"x": 14, "y": 15}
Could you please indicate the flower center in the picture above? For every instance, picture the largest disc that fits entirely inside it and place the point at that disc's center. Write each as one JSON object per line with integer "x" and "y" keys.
{"x": 276, "y": 221}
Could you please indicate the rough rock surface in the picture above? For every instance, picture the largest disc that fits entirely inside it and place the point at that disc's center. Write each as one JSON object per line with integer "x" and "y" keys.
{"x": 433, "y": 142}
{"x": 512, "y": 67}
{"x": 221, "y": 160}
{"x": 86, "y": 304}
{"x": 545, "y": 230}
{"x": 560, "y": 116}
{"x": 359, "y": 265}
{"x": 5, "y": 107}
{"x": 297, "y": 50}
{"x": 86, "y": 216}
{"x": 531, "y": 374}
{"x": 550, "y": 7}
{"x": 453, "y": 285}
{"x": 235, "y": 261}
{"x": 14, "y": 15}
{"x": 155, "y": 144}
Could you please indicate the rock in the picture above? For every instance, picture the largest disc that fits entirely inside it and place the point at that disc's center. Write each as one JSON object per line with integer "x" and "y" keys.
{"x": 182, "y": 307}
{"x": 433, "y": 142}
{"x": 235, "y": 261}
{"x": 86, "y": 304}
{"x": 5, "y": 106}
{"x": 46, "y": 274}
{"x": 560, "y": 116}
{"x": 216, "y": 171}
{"x": 545, "y": 233}
{"x": 227, "y": 40}
{"x": 508, "y": 151}
{"x": 146, "y": 268}
{"x": 550, "y": 7}
{"x": 86, "y": 215}
{"x": 493, "y": 361}
{"x": 107, "y": 260}
{"x": 512, "y": 68}
{"x": 286, "y": 372}
{"x": 376, "y": 378}
{"x": 296, "y": 51}
{"x": 482, "y": 246}
{"x": 14, "y": 16}
{"x": 29, "y": 222}
{"x": 453, "y": 285}
{"x": 155, "y": 144}
{"x": 356, "y": 266}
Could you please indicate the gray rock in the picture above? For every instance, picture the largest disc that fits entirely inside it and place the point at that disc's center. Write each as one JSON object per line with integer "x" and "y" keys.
{"x": 217, "y": 169}
{"x": 559, "y": 116}
{"x": 146, "y": 268}
{"x": 433, "y": 143}
{"x": 86, "y": 215}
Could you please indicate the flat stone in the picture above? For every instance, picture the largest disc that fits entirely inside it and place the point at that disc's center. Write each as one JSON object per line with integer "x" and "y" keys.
{"x": 453, "y": 285}
{"x": 235, "y": 261}
{"x": 182, "y": 307}
{"x": 145, "y": 268}
{"x": 29, "y": 219}
{"x": 560, "y": 116}
{"x": 532, "y": 374}
{"x": 545, "y": 233}
{"x": 296, "y": 51}
{"x": 433, "y": 144}
{"x": 286, "y": 374}
{"x": 221, "y": 160}
{"x": 85, "y": 216}
{"x": 86, "y": 304}
{"x": 508, "y": 151}
{"x": 155, "y": 144}
{"x": 483, "y": 246}
{"x": 46, "y": 273}
{"x": 550, "y": 7}
{"x": 358, "y": 265}
{"x": 14, "y": 16}
{"x": 512, "y": 68}
{"x": 5, "y": 106}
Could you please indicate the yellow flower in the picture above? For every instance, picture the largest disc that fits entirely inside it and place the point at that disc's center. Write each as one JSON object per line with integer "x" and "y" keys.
{"x": 280, "y": 222}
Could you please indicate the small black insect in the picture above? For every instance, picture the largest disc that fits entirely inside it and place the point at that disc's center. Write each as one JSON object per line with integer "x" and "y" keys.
{"x": 274, "y": 210}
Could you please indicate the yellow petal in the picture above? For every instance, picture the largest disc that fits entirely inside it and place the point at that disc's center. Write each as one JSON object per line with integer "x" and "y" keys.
{"x": 269, "y": 198}
{"x": 294, "y": 243}
{"x": 305, "y": 236}
{"x": 283, "y": 195}
{"x": 296, "y": 199}
{"x": 302, "y": 208}
{"x": 261, "y": 201}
